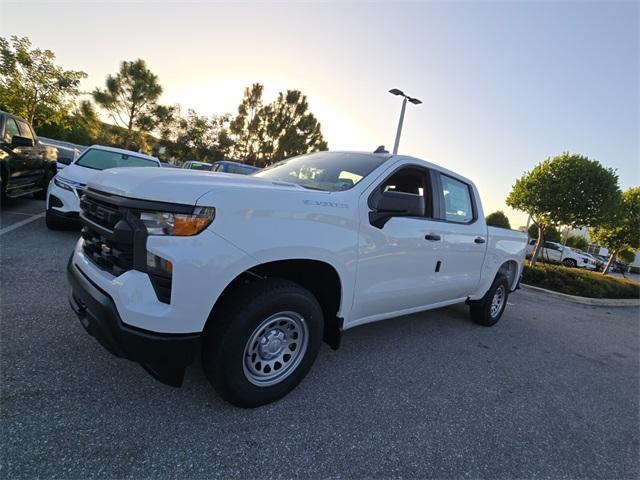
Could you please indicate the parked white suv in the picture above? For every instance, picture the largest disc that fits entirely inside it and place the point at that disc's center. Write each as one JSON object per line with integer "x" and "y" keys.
{"x": 556, "y": 252}
{"x": 65, "y": 189}
{"x": 255, "y": 271}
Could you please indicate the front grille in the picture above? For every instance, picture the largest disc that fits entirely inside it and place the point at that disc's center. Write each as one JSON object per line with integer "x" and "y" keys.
{"x": 100, "y": 245}
{"x": 98, "y": 211}
{"x": 115, "y": 240}
{"x": 110, "y": 256}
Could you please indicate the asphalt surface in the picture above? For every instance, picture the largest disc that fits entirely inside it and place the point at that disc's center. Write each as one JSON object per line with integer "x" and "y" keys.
{"x": 550, "y": 392}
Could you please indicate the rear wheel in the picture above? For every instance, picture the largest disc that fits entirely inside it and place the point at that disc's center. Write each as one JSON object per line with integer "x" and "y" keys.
{"x": 570, "y": 262}
{"x": 489, "y": 309}
{"x": 262, "y": 342}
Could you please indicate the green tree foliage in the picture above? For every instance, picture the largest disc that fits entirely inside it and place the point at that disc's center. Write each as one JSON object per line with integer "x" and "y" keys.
{"x": 130, "y": 97}
{"x": 623, "y": 227}
{"x": 197, "y": 137}
{"x": 568, "y": 189}
{"x": 289, "y": 128}
{"x": 247, "y": 127}
{"x": 83, "y": 126}
{"x": 498, "y": 219}
{"x": 551, "y": 234}
{"x": 32, "y": 86}
{"x": 576, "y": 241}
{"x": 627, "y": 255}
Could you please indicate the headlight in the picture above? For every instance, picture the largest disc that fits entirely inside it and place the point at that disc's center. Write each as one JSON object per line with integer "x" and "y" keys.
{"x": 62, "y": 184}
{"x": 178, "y": 224}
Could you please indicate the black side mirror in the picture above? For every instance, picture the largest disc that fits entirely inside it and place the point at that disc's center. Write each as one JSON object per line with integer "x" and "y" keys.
{"x": 18, "y": 141}
{"x": 396, "y": 204}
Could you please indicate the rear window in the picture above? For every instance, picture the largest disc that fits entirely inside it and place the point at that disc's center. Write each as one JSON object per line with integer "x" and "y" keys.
{"x": 103, "y": 159}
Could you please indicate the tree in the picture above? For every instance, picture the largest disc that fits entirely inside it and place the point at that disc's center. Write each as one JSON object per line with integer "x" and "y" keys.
{"x": 31, "y": 85}
{"x": 568, "y": 189}
{"x": 130, "y": 98}
{"x": 551, "y": 234}
{"x": 83, "y": 126}
{"x": 623, "y": 228}
{"x": 498, "y": 219}
{"x": 195, "y": 137}
{"x": 247, "y": 126}
{"x": 289, "y": 128}
{"x": 627, "y": 255}
{"x": 576, "y": 241}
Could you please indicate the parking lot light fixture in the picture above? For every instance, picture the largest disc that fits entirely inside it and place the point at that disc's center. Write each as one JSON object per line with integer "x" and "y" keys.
{"x": 415, "y": 101}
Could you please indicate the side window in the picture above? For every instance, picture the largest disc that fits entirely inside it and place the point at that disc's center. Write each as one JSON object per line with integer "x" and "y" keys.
{"x": 25, "y": 130}
{"x": 457, "y": 200}
{"x": 10, "y": 129}
{"x": 409, "y": 180}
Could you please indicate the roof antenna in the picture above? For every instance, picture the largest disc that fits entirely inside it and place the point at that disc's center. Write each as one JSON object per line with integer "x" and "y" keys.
{"x": 381, "y": 149}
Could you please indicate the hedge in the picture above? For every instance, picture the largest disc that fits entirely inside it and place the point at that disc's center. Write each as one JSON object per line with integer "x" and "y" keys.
{"x": 579, "y": 282}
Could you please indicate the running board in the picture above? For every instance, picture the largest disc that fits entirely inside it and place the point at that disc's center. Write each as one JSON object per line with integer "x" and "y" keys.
{"x": 22, "y": 193}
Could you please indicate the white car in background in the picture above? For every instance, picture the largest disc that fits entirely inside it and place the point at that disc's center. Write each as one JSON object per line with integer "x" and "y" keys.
{"x": 556, "y": 252}
{"x": 65, "y": 189}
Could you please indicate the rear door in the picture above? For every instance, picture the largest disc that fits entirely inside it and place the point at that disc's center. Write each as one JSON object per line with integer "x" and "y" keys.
{"x": 464, "y": 234}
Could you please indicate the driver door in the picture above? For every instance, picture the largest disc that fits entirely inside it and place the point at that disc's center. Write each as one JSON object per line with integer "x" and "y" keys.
{"x": 398, "y": 263}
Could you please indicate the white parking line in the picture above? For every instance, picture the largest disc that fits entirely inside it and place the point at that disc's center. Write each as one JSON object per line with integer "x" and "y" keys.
{"x": 20, "y": 223}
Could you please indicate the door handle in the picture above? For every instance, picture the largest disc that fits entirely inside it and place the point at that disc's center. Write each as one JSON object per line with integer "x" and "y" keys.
{"x": 479, "y": 240}
{"x": 432, "y": 237}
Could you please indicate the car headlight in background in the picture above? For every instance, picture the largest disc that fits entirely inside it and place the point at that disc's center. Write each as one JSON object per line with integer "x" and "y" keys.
{"x": 62, "y": 183}
{"x": 69, "y": 185}
{"x": 178, "y": 224}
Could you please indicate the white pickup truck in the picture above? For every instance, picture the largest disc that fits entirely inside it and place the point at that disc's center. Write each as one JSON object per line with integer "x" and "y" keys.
{"x": 253, "y": 272}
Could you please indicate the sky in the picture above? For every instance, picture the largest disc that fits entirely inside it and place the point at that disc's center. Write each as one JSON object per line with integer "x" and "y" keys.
{"x": 504, "y": 85}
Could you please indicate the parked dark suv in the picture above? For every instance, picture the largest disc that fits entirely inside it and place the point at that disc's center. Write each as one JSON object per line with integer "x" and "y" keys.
{"x": 26, "y": 166}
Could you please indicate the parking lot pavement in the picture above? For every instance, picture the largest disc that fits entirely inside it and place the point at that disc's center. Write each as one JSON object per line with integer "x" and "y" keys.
{"x": 549, "y": 392}
{"x": 20, "y": 210}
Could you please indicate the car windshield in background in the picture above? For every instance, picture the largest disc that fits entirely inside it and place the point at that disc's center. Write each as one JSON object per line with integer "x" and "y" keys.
{"x": 200, "y": 166}
{"x": 326, "y": 171}
{"x": 104, "y": 159}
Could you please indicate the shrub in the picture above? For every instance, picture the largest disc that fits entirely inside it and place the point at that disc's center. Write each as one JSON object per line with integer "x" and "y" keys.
{"x": 578, "y": 282}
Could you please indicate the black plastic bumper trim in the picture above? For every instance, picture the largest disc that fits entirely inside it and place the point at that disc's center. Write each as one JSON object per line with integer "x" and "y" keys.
{"x": 164, "y": 356}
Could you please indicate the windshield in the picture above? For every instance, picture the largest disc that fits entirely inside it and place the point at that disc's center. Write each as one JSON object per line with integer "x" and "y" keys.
{"x": 104, "y": 159}
{"x": 200, "y": 166}
{"x": 326, "y": 171}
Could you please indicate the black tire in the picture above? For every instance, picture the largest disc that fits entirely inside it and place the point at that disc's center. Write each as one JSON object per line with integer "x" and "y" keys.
{"x": 569, "y": 262}
{"x": 481, "y": 310}
{"x": 236, "y": 321}
{"x": 53, "y": 222}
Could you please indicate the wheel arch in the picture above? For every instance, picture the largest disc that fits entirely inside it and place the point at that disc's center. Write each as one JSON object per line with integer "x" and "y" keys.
{"x": 319, "y": 277}
{"x": 511, "y": 270}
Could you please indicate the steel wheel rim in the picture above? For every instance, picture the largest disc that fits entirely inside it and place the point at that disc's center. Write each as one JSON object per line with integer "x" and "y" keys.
{"x": 497, "y": 301}
{"x": 275, "y": 348}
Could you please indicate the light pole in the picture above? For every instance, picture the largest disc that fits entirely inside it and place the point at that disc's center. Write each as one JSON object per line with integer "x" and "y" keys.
{"x": 415, "y": 101}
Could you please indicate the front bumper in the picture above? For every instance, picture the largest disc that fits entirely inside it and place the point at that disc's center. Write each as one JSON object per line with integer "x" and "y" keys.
{"x": 164, "y": 356}
{"x": 70, "y": 200}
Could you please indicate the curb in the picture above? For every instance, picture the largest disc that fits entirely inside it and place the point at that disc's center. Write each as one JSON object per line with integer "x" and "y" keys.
{"x": 599, "y": 302}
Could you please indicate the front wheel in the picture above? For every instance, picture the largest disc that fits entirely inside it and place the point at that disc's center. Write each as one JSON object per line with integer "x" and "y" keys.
{"x": 262, "y": 342}
{"x": 489, "y": 309}
{"x": 570, "y": 262}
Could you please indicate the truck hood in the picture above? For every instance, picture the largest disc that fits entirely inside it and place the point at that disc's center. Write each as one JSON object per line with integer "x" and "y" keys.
{"x": 175, "y": 185}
